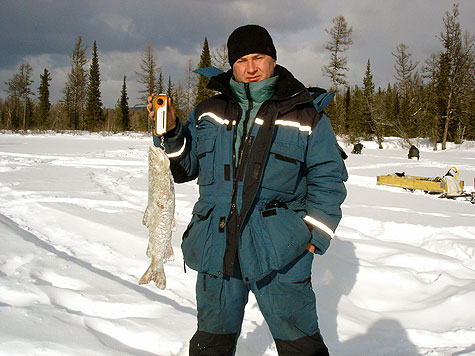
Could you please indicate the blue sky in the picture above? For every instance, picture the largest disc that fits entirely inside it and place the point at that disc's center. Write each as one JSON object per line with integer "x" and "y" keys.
{"x": 43, "y": 33}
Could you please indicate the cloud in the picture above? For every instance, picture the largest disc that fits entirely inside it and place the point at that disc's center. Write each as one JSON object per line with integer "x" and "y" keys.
{"x": 43, "y": 32}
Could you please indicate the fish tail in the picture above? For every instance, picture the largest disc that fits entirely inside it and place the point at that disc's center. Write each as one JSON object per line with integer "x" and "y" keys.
{"x": 156, "y": 274}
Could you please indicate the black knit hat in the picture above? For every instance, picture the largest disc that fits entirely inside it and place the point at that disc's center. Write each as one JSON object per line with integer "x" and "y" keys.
{"x": 249, "y": 39}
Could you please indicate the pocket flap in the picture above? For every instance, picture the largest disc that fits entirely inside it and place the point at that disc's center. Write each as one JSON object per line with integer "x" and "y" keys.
{"x": 288, "y": 150}
{"x": 205, "y": 146}
{"x": 202, "y": 209}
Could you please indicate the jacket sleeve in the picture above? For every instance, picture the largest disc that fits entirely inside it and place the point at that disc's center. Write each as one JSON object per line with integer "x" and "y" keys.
{"x": 326, "y": 174}
{"x": 180, "y": 146}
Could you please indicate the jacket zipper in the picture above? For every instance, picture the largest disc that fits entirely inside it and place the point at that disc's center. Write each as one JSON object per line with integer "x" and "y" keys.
{"x": 245, "y": 139}
{"x": 236, "y": 172}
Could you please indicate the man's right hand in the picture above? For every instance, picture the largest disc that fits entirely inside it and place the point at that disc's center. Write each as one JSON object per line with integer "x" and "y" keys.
{"x": 171, "y": 117}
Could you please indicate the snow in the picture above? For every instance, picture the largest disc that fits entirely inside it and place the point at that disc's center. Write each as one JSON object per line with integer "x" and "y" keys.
{"x": 398, "y": 279}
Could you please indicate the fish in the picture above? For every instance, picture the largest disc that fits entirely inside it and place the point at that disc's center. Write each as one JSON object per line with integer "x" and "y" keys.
{"x": 159, "y": 216}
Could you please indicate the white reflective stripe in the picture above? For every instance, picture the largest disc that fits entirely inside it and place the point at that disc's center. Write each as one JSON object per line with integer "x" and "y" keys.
{"x": 259, "y": 121}
{"x": 215, "y": 118}
{"x": 320, "y": 225}
{"x": 294, "y": 124}
{"x": 177, "y": 154}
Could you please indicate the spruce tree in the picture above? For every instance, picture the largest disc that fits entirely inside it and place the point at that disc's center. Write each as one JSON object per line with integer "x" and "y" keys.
{"x": 375, "y": 124}
{"x": 431, "y": 108}
{"x": 346, "y": 117}
{"x": 356, "y": 115}
{"x": 94, "y": 116}
{"x": 124, "y": 108}
{"x": 388, "y": 110}
{"x": 160, "y": 87}
{"x": 44, "y": 102}
{"x": 170, "y": 89}
{"x": 179, "y": 97}
{"x": 205, "y": 61}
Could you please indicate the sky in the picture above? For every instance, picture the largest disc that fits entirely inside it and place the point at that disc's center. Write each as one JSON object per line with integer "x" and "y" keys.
{"x": 43, "y": 32}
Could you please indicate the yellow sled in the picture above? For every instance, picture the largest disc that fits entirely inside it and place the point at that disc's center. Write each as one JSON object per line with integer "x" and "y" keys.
{"x": 428, "y": 185}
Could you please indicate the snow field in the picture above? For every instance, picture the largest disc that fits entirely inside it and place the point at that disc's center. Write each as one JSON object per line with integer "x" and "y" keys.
{"x": 398, "y": 279}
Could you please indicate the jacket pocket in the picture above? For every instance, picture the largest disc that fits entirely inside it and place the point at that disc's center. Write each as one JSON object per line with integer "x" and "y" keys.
{"x": 283, "y": 237}
{"x": 206, "y": 153}
{"x": 283, "y": 167}
{"x": 197, "y": 237}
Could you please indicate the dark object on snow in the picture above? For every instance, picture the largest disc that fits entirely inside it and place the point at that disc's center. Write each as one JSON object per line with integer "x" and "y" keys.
{"x": 413, "y": 152}
{"x": 400, "y": 174}
{"x": 357, "y": 148}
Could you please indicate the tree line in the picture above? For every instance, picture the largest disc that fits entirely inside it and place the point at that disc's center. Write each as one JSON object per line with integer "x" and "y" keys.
{"x": 434, "y": 99}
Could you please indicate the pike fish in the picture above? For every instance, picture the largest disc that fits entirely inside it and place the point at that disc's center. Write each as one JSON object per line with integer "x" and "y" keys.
{"x": 159, "y": 216}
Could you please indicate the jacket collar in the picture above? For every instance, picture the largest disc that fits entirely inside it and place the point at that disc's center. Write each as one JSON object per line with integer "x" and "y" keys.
{"x": 258, "y": 92}
{"x": 287, "y": 86}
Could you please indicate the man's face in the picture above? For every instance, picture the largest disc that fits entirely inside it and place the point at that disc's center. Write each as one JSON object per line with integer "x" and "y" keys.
{"x": 253, "y": 67}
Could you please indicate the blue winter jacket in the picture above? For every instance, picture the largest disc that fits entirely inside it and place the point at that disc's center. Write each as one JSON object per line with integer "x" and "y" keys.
{"x": 284, "y": 192}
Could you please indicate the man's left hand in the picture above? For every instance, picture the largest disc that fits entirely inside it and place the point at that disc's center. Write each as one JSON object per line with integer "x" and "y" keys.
{"x": 311, "y": 247}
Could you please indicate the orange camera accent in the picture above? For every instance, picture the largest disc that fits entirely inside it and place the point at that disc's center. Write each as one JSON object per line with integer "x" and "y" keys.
{"x": 160, "y": 110}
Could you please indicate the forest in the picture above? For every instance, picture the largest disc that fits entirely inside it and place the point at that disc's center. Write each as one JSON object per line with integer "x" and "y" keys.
{"x": 434, "y": 99}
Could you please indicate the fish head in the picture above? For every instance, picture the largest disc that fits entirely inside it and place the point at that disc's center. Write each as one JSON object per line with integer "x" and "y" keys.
{"x": 158, "y": 157}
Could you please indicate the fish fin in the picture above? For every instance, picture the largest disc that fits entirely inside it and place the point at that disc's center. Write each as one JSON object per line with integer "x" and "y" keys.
{"x": 156, "y": 274}
{"x": 170, "y": 255}
{"x": 149, "y": 250}
{"x": 145, "y": 217}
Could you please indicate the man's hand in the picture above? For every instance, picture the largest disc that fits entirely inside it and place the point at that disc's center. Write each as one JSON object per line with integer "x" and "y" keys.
{"x": 311, "y": 248}
{"x": 171, "y": 117}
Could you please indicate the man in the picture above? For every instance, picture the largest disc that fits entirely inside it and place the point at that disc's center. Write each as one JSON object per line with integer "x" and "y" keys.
{"x": 270, "y": 176}
{"x": 413, "y": 152}
{"x": 357, "y": 148}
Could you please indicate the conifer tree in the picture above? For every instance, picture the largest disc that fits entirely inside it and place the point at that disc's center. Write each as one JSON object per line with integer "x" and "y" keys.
{"x": 160, "y": 87}
{"x": 44, "y": 102}
{"x": 404, "y": 68}
{"x": 148, "y": 73}
{"x": 368, "y": 85}
{"x": 405, "y": 122}
{"x": 388, "y": 110}
{"x": 339, "y": 43}
{"x": 358, "y": 124}
{"x": 170, "y": 89}
{"x": 371, "y": 112}
{"x": 347, "y": 110}
{"x": 94, "y": 116}
{"x": 124, "y": 108}
{"x": 205, "y": 61}
{"x": 75, "y": 90}
{"x": 179, "y": 97}
{"x": 431, "y": 107}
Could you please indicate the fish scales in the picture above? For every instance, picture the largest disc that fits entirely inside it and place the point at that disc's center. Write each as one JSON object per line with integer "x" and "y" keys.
{"x": 159, "y": 216}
